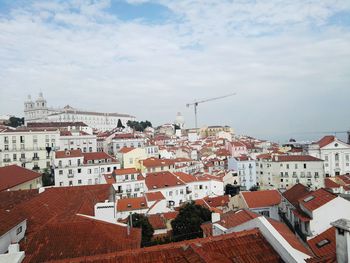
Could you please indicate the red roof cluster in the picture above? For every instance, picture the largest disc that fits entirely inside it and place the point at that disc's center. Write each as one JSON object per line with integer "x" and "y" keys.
{"x": 129, "y": 204}
{"x": 246, "y": 246}
{"x": 327, "y": 246}
{"x": 263, "y": 198}
{"x": 154, "y": 196}
{"x": 326, "y": 140}
{"x": 13, "y": 175}
{"x": 296, "y": 158}
{"x": 296, "y": 192}
{"x": 126, "y": 149}
{"x": 157, "y": 221}
{"x": 154, "y": 162}
{"x": 125, "y": 171}
{"x": 93, "y": 156}
{"x": 69, "y": 154}
{"x": 316, "y": 199}
{"x": 162, "y": 180}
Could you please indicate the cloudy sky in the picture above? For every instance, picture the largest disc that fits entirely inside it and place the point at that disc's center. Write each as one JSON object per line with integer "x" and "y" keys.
{"x": 288, "y": 60}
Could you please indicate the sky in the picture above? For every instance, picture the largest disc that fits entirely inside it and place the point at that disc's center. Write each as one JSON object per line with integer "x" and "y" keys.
{"x": 287, "y": 60}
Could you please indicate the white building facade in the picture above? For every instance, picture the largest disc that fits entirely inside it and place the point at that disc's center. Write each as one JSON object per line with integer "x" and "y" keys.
{"x": 29, "y": 148}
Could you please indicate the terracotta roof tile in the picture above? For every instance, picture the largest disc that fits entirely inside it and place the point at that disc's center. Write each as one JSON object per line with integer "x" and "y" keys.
{"x": 289, "y": 236}
{"x": 129, "y": 204}
{"x": 9, "y": 199}
{"x": 296, "y": 158}
{"x": 218, "y": 200}
{"x": 329, "y": 183}
{"x": 296, "y": 192}
{"x": 68, "y": 154}
{"x": 247, "y": 246}
{"x": 329, "y": 248}
{"x": 93, "y": 156}
{"x": 83, "y": 237}
{"x": 236, "y": 218}
{"x": 325, "y": 140}
{"x": 126, "y": 149}
{"x": 13, "y": 175}
{"x": 162, "y": 180}
{"x": 319, "y": 198}
{"x": 157, "y": 221}
{"x": 125, "y": 171}
{"x": 154, "y": 196}
{"x": 263, "y": 198}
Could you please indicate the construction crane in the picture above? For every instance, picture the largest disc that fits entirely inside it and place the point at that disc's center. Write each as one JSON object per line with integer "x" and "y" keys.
{"x": 195, "y": 104}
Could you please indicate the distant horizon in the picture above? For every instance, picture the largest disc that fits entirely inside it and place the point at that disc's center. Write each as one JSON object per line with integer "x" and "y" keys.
{"x": 287, "y": 62}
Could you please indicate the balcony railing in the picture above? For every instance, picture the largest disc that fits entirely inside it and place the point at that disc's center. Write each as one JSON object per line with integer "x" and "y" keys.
{"x": 137, "y": 189}
{"x": 36, "y": 158}
{"x": 119, "y": 191}
{"x": 7, "y": 160}
{"x": 24, "y": 160}
{"x": 128, "y": 190}
{"x": 70, "y": 175}
{"x": 36, "y": 167}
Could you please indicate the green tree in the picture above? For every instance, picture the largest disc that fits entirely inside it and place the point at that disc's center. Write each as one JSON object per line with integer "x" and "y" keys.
{"x": 141, "y": 221}
{"x": 47, "y": 177}
{"x": 139, "y": 126}
{"x": 254, "y": 188}
{"x": 15, "y": 121}
{"x": 187, "y": 224}
{"x": 231, "y": 189}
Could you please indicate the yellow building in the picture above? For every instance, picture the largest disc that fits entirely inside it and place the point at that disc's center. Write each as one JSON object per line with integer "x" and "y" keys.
{"x": 14, "y": 177}
{"x": 129, "y": 157}
{"x": 153, "y": 165}
{"x": 214, "y": 130}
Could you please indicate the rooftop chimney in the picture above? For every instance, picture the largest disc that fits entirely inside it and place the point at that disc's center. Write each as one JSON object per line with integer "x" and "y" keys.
{"x": 342, "y": 240}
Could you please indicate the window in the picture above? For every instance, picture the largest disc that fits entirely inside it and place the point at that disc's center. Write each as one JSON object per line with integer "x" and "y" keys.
{"x": 79, "y": 170}
{"x": 89, "y": 171}
{"x": 296, "y": 166}
{"x": 304, "y": 165}
{"x": 19, "y": 230}
{"x": 70, "y": 183}
{"x": 79, "y": 181}
{"x": 170, "y": 193}
{"x": 287, "y": 166}
{"x": 336, "y": 157}
{"x": 60, "y": 172}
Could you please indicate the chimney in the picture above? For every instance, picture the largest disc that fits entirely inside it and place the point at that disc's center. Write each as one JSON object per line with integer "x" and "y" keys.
{"x": 342, "y": 240}
{"x": 215, "y": 217}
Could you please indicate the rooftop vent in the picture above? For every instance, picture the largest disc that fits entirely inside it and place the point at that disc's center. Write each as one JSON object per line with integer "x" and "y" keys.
{"x": 154, "y": 186}
{"x": 129, "y": 205}
{"x": 309, "y": 198}
{"x": 142, "y": 204}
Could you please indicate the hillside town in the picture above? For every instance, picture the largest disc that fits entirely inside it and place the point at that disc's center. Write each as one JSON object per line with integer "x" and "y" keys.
{"x": 85, "y": 186}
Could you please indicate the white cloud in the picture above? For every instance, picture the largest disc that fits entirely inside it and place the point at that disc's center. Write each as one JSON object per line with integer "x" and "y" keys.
{"x": 284, "y": 71}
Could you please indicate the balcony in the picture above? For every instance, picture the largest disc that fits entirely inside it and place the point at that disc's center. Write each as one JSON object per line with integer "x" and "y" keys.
{"x": 188, "y": 191}
{"x": 137, "y": 189}
{"x": 36, "y": 168}
{"x": 128, "y": 190}
{"x": 7, "y": 160}
{"x": 24, "y": 160}
{"x": 35, "y": 158}
{"x": 70, "y": 175}
{"x": 119, "y": 191}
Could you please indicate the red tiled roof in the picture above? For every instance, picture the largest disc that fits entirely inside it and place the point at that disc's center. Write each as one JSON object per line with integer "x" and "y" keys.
{"x": 84, "y": 237}
{"x": 170, "y": 215}
{"x": 157, "y": 221}
{"x": 236, "y": 218}
{"x": 9, "y": 199}
{"x": 328, "y": 183}
{"x": 109, "y": 178}
{"x": 154, "y": 196}
{"x": 326, "y": 140}
{"x": 264, "y": 156}
{"x": 301, "y": 215}
{"x": 218, "y": 200}
{"x": 162, "y": 180}
{"x": 10, "y": 219}
{"x": 129, "y": 204}
{"x": 296, "y": 158}
{"x": 126, "y": 171}
{"x": 186, "y": 178}
{"x": 98, "y": 156}
{"x": 126, "y": 149}
{"x": 321, "y": 197}
{"x": 289, "y": 236}
{"x": 14, "y": 175}
{"x": 222, "y": 152}
{"x": 296, "y": 192}
{"x": 237, "y": 144}
{"x": 344, "y": 178}
{"x": 246, "y": 246}
{"x": 68, "y": 154}
{"x": 327, "y": 249}
{"x": 154, "y": 162}
{"x": 263, "y": 198}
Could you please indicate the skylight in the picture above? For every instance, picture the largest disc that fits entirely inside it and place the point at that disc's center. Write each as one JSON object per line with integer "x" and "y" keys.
{"x": 323, "y": 243}
{"x": 309, "y": 198}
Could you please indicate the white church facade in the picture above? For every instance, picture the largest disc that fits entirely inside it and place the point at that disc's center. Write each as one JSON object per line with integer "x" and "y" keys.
{"x": 38, "y": 111}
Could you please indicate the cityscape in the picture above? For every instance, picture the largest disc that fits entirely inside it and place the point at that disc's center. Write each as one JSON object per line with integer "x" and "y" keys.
{"x": 174, "y": 131}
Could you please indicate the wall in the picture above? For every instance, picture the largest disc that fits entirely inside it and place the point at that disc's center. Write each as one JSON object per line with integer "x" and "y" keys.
{"x": 12, "y": 236}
